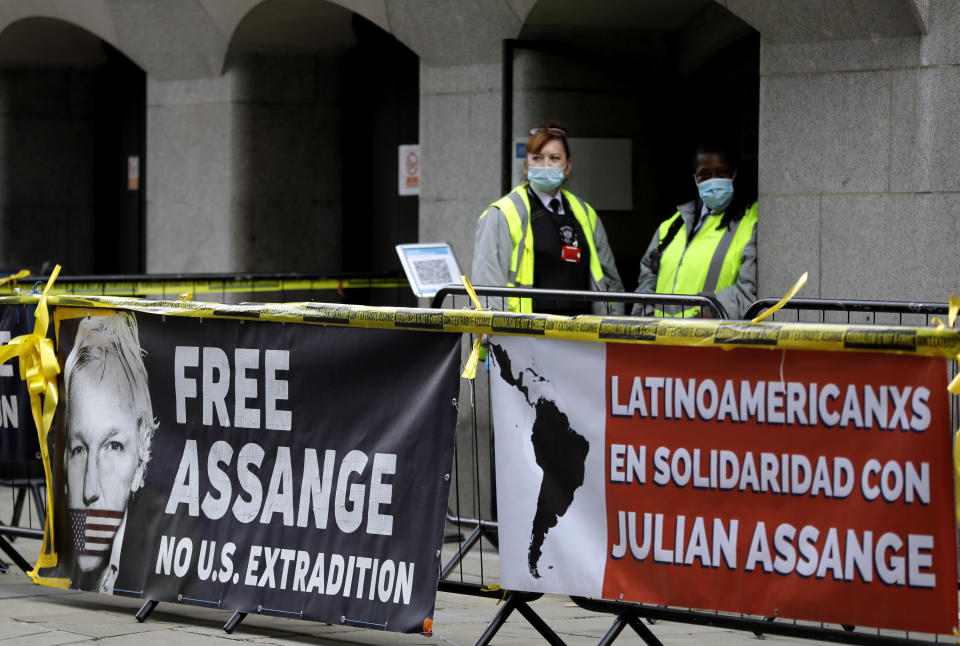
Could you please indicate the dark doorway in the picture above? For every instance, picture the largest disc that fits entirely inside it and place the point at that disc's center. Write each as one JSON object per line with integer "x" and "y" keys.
{"x": 663, "y": 74}
{"x": 328, "y": 96}
{"x": 719, "y": 101}
{"x": 119, "y": 155}
{"x": 72, "y": 112}
{"x": 380, "y": 112}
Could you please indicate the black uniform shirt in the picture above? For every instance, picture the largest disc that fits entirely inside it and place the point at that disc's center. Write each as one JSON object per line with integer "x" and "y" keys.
{"x": 551, "y": 233}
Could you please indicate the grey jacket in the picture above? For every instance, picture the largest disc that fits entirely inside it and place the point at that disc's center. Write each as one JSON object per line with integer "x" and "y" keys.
{"x": 491, "y": 260}
{"x": 735, "y": 299}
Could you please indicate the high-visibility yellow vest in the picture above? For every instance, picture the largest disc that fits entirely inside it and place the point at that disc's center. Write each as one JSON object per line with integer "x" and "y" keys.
{"x": 684, "y": 267}
{"x": 515, "y": 207}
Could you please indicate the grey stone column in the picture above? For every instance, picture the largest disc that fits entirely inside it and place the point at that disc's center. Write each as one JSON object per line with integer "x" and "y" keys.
{"x": 243, "y": 170}
{"x": 191, "y": 176}
{"x": 460, "y": 139}
{"x": 834, "y": 124}
{"x": 460, "y": 49}
{"x": 460, "y": 145}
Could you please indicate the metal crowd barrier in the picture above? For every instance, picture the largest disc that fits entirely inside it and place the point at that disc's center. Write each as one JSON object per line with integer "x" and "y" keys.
{"x": 827, "y": 310}
{"x": 862, "y": 312}
{"x": 855, "y": 312}
{"x": 28, "y": 505}
{"x": 354, "y": 288}
{"x": 21, "y": 471}
{"x": 471, "y": 559}
{"x": 25, "y": 519}
{"x": 658, "y": 301}
{"x": 470, "y": 568}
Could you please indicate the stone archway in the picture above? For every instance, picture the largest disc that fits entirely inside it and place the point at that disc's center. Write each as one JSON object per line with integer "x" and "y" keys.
{"x": 71, "y": 176}
{"x": 661, "y": 75}
{"x": 326, "y": 96}
{"x": 248, "y": 166}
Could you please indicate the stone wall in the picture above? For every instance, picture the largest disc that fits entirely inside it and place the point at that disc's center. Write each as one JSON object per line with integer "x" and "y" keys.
{"x": 858, "y": 131}
{"x": 244, "y": 170}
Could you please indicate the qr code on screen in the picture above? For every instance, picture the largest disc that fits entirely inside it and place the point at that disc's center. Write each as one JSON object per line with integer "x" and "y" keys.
{"x": 433, "y": 272}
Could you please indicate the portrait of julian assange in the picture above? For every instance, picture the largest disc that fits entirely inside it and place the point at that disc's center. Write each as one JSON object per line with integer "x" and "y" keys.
{"x": 108, "y": 429}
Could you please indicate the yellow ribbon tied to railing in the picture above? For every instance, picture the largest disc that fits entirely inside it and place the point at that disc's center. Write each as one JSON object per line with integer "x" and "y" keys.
{"x": 952, "y": 309}
{"x": 495, "y": 588}
{"x": 954, "y": 388}
{"x": 39, "y": 369}
{"x": 783, "y": 301}
{"x": 470, "y": 369}
{"x": 12, "y": 278}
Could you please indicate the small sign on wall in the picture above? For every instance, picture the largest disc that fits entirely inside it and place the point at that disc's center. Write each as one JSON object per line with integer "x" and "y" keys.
{"x": 409, "y": 169}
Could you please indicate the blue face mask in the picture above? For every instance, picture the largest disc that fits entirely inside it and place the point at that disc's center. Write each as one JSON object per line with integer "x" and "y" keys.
{"x": 716, "y": 193}
{"x": 545, "y": 178}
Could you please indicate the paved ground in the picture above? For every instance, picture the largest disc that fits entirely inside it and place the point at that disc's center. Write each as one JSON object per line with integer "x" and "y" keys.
{"x": 39, "y": 616}
{"x": 36, "y": 616}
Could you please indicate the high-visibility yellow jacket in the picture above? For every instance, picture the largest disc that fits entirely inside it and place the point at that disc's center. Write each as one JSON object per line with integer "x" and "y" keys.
{"x": 716, "y": 261}
{"x": 503, "y": 253}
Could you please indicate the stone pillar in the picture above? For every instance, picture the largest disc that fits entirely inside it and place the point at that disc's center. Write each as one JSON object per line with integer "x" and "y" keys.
{"x": 460, "y": 145}
{"x": 460, "y": 48}
{"x": 833, "y": 130}
{"x": 243, "y": 170}
{"x": 191, "y": 176}
{"x": 460, "y": 51}
{"x": 460, "y": 140}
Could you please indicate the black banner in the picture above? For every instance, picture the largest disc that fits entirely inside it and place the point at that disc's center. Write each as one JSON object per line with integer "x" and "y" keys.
{"x": 19, "y": 447}
{"x": 292, "y": 470}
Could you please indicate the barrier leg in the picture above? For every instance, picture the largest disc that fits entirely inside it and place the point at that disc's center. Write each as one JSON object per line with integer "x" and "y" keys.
{"x": 18, "y": 506}
{"x": 458, "y": 556}
{"x": 629, "y": 619}
{"x": 765, "y": 620}
{"x": 644, "y": 633}
{"x": 39, "y": 499}
{"x": 14, "y": 555}
{"x": 509, "y": 605}
{"x": 493, "y": 536}
{"x": 539, "y": 624}
{"x": 233, "y": 622}
{"x": 619, "y": 623}
{"x": 146, "y": 609}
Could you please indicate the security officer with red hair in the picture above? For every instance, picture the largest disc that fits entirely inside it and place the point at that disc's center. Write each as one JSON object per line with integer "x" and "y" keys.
{"x": 541, "y": 235}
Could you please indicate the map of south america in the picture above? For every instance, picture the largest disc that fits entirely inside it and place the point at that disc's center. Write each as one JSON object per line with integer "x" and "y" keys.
{"x": 558, "y": 449}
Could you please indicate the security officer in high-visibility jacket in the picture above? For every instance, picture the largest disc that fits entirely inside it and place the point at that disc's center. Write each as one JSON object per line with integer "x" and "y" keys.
{"x": 541, "y": 235}
{"x": 708, "y": 247}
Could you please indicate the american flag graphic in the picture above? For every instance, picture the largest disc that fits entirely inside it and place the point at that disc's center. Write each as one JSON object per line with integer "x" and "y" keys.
{"x": 93, "y": 529}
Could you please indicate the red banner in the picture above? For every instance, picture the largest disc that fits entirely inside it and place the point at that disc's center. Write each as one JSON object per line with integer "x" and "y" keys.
{"x": 802, "y": 484}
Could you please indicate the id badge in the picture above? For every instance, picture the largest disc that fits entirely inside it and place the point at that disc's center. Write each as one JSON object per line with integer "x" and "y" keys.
{"x": 569, "y": 253}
